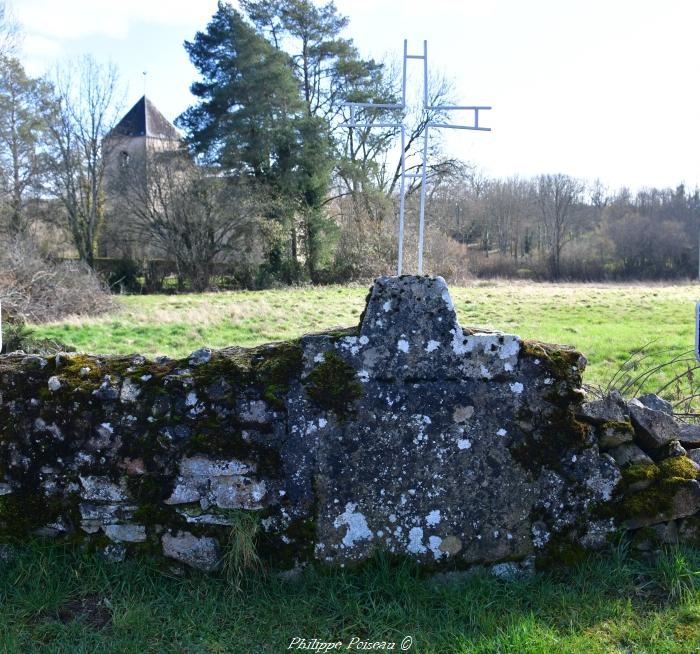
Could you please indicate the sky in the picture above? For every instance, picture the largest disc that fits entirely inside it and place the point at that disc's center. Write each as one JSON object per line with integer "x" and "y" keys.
{"x": 604, "y": 89}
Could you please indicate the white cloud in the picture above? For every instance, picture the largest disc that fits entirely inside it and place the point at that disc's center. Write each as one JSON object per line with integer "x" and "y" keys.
{"x": 73, "y": 19}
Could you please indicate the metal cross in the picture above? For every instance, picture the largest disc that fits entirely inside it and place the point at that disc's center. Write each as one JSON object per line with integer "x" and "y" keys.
{"x": 443, "y": 108}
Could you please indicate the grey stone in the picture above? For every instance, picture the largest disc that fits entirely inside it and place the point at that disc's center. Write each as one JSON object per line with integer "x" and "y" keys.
{"x": 108, "y": 389}
{"x": 598, "y": 534}
{"x": 514, "y": 569}
{"x": 628, "y": 454}
{"x": 674, "y": 448}
{"x": 94, "y": 516}
{"x": 611, "y": 408}
{"x": 54, "y": 384}
{"x": 613, "y": 436}
{"x": 689, "y": 434}
{"x": 101, "y": 489}
{"x": 689, "y": 531}
{"x": 653, "y": 429}
{"x": 201, "y": 356}
{"x": 694, "y": 455}
{"x": 125, "y": 533}
{"x": 652, "y": 401}
{"x": 7, "y": 553}
{"x": 198, "y": 552}
{"x": 114, "y": 553}
{"x": 685, "y": 502}
{"x": 227, "y": 484}
{"x": 130, "y": 391}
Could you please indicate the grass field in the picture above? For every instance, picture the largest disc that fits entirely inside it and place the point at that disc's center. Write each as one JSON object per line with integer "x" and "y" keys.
{"x": 60, "y": 601}
{"x": 605, "y": 322}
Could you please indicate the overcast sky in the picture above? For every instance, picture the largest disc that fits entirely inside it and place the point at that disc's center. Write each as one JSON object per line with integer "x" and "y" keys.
{"x": 594, "y": 88}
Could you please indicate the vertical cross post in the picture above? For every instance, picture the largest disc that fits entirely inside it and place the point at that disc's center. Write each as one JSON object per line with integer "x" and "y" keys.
{"x": 428, "y": 108}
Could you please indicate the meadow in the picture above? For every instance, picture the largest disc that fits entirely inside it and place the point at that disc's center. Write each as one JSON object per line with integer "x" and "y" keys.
{"x": 607, "y": 323}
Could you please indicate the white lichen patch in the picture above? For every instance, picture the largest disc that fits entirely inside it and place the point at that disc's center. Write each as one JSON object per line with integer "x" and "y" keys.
{"x": 464, "y": 443}
{"x": 387, "y": 306}
{"x": 403, "y": 345}
{"x": 501, "y": 432}
{"x": 54, "y": 384}
{"x": 432, "y": 346}
{"x": 191, "y": 399}
{"x": 434, "y": 543}
{"x": 510, "y": 347}
{"x": 517, "y": 388}
{"x": 433, "y": 518}
{"x": 415, "y": 541}
{"x": 363, "y": 376}
{"x": 540, "y": 535}
{"x": 356, "y": 523}
{"x": 320, "y": 357}
{"x": 364, "y": 340}
{"x": 447, "y": 300}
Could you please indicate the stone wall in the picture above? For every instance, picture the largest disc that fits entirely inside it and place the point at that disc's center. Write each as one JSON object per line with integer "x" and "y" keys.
{"x": 410, "y": 435}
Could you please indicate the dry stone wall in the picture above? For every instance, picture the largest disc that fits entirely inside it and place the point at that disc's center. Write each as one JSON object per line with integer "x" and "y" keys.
{"x": 409, "y": 435}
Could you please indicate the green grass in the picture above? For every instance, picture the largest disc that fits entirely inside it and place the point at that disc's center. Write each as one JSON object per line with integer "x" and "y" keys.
{"x": 56, "y": 600}
{"x": 605, "y": 322}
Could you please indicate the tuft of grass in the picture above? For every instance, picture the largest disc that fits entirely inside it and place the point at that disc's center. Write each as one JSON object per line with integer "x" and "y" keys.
{"x": 676, "y": 575}
{"x": 240, "y": 556}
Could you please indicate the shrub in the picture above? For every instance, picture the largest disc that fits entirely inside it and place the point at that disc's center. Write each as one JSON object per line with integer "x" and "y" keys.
{"x": 37, "y": 289}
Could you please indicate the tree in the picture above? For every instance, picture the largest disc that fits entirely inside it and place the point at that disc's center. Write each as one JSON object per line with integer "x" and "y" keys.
{"x": 86, "y": 110}
{"x": 9, "y": 31}
{"x": 24, "y": 103}
{"x": 557, "y": 196}
{"x": 250, "y": 121}
{"x": 193, "y": 217}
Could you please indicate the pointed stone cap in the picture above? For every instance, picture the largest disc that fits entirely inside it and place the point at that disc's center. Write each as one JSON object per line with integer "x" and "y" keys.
{"x": 409, "y": 332}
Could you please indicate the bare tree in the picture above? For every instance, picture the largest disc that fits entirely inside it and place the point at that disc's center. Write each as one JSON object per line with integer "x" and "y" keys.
{"x": 507, "y": 207}
{"x": 87, "y": 107}
{"x": 557, "y": 196}
{"x": 190, "y": 216}
{"x": 9, "y": 31}
{"x": 23, "y": 105}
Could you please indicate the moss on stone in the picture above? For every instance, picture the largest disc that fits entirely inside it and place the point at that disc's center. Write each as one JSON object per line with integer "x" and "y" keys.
{"x": 617, "y": 426}
{"x": 679, "y": 468}
{"x": 333, "y": 385}
{"x": 639, "y": 472}
{"x": 22, "y": 512}
{"x": 276, "y": 369}
{"x": 650, "y": 502}
{"x": 559, "y": 359}
{"x": 544, "y": 449}
{"x": 667, "y": 477}
{"x": 560, "y": 553}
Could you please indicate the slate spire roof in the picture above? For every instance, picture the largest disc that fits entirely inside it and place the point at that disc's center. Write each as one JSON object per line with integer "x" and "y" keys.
{"x": 143, "y": 119}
